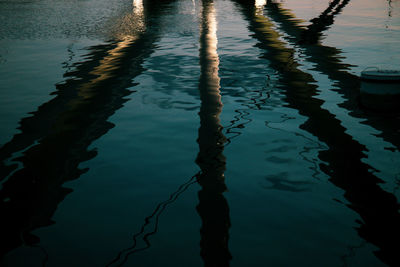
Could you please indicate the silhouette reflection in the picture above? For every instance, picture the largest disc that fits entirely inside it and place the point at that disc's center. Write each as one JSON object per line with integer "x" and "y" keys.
{"x": 213, "y": 207}
{"x": 328, "y": 60}
{"x": 343, "y": 160}
{"x": 55, "y": 140}
{"x": 313, "y": 33}
{"x": 390, "y": 8}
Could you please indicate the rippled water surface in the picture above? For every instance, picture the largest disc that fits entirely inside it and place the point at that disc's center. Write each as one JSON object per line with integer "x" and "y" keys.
{"x": 197, "y": 133}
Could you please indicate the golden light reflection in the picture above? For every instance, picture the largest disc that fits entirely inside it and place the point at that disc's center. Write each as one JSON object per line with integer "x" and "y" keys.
{"x": 110, "y": 62}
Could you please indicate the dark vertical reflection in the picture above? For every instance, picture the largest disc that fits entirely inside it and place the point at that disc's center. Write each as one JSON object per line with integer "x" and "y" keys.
{"x": 313, "y": 33}
{"x": 343, "y": 159}
{"x": 55, "y": 139}
{"x": 390, "y": 8}
{"x": 328, "y": 60}
{"x": 213, "y": 207}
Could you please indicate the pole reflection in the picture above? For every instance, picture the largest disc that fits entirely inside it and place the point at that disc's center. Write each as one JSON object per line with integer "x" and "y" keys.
{"x": 343, "y": 160}
{"x": 329, "y": 61}
{"x": 56, "y": 138}
{"x": 313, "y": 33}
{"x": 213, "y": 207}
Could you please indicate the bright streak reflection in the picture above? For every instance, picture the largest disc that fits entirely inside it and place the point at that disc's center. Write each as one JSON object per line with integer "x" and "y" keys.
{"x": 107, "y": 66}
{"x": 138, "y": 7}
{"x": 110, "y": 62}
{"x": 212, "y": 40}
{"x": 260, "y": 3}
{"x": 210, "y": 60}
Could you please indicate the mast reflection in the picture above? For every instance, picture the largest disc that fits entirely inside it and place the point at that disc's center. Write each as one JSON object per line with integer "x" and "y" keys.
{"x": 56, "y": 139}
{"x": 329, "y": 61}
{"x": 343, "y": 160}
{"x": 213, "y": 207}
{"x": 313, "y": 33}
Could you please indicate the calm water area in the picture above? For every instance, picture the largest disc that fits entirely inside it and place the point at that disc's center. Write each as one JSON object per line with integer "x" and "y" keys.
{"x": 197, "y": 133}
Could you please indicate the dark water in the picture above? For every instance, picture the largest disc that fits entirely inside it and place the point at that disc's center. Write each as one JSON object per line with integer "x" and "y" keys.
{"x": 197, "y": 133}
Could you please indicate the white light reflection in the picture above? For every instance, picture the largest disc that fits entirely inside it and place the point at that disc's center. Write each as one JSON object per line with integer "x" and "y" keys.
{"x": 138, "y": 7}
{"x": 212, "y": 40}
{"x": 194, "y": 7}
{"x": 211, "y": 140}
{"x": 210, "y": 137}
{"x": 209, "y": 61}
{"x": 260, "y": 3}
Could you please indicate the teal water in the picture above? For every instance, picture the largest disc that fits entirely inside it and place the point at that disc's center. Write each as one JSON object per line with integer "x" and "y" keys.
{"x": 197, "y": 133}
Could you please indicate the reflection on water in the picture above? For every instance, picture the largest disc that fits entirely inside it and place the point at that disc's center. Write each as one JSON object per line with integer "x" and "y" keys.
{"x": 138, "y": 7}
{"x": 390, "y": 8}
{"x": 343, "y": 159}
{"x": 150, "y": 226}
{"x": 56, "y": 139}
{"x": 260, "y": 3}
{"x": 280, "y": 182}
{"x": 213, "y": 207}
{"x": 314, "y": 31}
{"x": 329, "y": 61}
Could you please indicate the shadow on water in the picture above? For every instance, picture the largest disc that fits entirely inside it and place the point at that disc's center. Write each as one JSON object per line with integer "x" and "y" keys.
{"x": 377, "y": 208}
{"x": 55, "y": 139}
